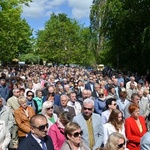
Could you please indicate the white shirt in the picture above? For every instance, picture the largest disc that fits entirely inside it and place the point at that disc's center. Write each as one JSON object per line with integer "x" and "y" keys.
{"x": 76, "y": 106}
{"x": 109, "y": 128}
{"x": 38, "y": 140}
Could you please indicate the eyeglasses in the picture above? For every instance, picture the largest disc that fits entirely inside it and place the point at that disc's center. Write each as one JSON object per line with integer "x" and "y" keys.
{"x": 90, "y": 109}
{"x": 30, "y": 95}
{"x": 49, "y": 108}
{"x": 42, "y": 127}
{"x": 114, "y": 104}
{"x": 76, "y": 134}
{"x": 121, "y": 145}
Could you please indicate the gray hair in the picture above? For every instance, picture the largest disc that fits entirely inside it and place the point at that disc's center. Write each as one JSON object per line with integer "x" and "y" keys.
{"x": 15, "y": 90}
{"x": 64, "y": 95}
{"x": 88, "y": 100}
{"x": 46, "y": 104}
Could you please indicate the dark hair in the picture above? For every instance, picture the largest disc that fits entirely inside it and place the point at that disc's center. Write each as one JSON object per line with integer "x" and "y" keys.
{"x": 29, "y": 92}
{"x": 110, "y": 88}
{"x": 109, "y": 101}
{"x": 123, "y": 94}
{"x": 65, "y": 117}
{"x": 22, "y": 89}
{"x": 133, "y": 96}
{"x": 72, "y": 92}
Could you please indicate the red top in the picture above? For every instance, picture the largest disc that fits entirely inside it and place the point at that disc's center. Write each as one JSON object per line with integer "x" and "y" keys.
{"x": 133, "y": 133}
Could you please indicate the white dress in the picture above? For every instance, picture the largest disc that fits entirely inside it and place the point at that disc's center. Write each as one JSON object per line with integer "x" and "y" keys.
{"x": 4, "y": 136}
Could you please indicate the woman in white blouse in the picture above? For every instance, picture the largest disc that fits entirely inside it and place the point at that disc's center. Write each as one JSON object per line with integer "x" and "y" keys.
{"x": 4, "y": 136}
{"x": 115, "y": 124}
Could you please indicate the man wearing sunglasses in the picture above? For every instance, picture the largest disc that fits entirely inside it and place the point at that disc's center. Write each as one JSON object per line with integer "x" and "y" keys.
{"x": 91, "y": 125}
{"x": 38, "y": 138}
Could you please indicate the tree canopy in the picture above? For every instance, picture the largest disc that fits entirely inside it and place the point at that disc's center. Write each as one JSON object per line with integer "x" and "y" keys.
{"x": 64, "y": 41}
{"x": 15, "y": 33}
{"x": 125, "y": 28}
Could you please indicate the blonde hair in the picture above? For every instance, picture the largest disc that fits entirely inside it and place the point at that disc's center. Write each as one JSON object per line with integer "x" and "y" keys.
{"x": 112, "y": 142}
{"x": 71, "y": 127}
{"x": 22, "y": 99}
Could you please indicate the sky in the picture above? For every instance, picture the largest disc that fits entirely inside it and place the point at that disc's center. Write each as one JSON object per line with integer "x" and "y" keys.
{"x": 40, "y": 10}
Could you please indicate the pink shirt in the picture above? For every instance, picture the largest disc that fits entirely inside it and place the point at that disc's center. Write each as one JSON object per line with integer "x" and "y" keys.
{"x": 57, "y": 136}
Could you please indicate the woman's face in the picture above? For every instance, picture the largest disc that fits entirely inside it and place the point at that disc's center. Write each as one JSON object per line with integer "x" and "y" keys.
{"x": 39, "y": 94}
{"x": 49, "y": 110}
{"x": 75, "y": 136}
{"x": 23, "y": 105}
{"x": 121, "y": 144}
{"x": 113, "y": 90}
{"x": 136, "y": 113}
{"x": 120, "y": 117}
{"x": 51, "y": 98}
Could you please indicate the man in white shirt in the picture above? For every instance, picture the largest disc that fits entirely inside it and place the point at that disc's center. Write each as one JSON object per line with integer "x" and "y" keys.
{"x": 73, "y": 102}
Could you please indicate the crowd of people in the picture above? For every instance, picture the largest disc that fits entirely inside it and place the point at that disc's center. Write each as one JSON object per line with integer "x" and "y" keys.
{"x": 70, "y": 108}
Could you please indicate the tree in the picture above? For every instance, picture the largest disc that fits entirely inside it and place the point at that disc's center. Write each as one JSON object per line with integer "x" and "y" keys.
{"x": 15, "y": 33}
{"x": 95, "y": 24}
{"x": 63, "y": 41}
{"x": 125, "y": 28}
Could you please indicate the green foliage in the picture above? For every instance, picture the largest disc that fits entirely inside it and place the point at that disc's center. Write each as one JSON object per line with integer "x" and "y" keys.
{"x": 64, "y": 41}
{"x": 30, "y": 58}
{"x": 125, "y": 26}
{"x": 15, "y": 33}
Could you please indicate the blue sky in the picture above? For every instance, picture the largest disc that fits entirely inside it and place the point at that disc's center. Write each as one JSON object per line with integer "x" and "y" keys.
{"x": 39, "y": 11}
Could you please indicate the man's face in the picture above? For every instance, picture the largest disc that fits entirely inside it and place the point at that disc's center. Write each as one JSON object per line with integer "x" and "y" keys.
{"x": 113, "y": 105}
{"x": 88, "y": 109}
{"x": 17, "y": 93}
{"x": 91, "y": 79}
{"x": 40, "y": 128}
{"x": 2, "y": 81}
{"x": 97, "y": 87}
{"x": 136, "y": 99}
{"x": 64, "y": 101}
{"x": 73, "y": 97}
{"x": 85, "y": 94}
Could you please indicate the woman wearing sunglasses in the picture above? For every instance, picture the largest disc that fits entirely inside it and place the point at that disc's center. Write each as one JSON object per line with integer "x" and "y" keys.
{"x": 116, "y": 141}
{"x": 47, "y": 111}
{"x": 73, "y": 135}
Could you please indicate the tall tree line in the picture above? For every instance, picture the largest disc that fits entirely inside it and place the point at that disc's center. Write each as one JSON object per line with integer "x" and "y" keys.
{"x": 123, "y": 31}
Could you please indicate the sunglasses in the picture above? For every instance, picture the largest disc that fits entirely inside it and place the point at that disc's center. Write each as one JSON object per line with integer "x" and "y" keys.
{"x": 42, "y": 127}
{"x": 114, "y": 104}
{"x": 90, "y": 109}
{"x": 121, "y": 145}
{"x": 49, "y": 108}
{"x": 76, "y": 134}
{"x": 30, "y": 95}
